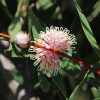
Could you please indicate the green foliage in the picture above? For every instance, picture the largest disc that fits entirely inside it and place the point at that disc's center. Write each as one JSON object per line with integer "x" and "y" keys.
{"x": 59, "y": 81}
{"x": 17, "y": 76}
{"x": 3, "y": 2}
{"x": 87, "y": 29}
{"x": 34, "y": 24}
{"x": 96, "y": 93}
{"x": 69, "y": 65}
{"x": 37, "y": 15}
{"x": 45, "y": 85}
{"x": 95, "y": 12}
{"x": 16, "y": 26}
{"x": 76, "y": 91}
{"x": 57, "y": 14}
{"x": 45, "y": 4}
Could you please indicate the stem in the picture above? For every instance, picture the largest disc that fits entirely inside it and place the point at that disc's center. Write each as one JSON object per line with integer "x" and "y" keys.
{"x": 81, "y": 63}
{"x": 5, "y": 35}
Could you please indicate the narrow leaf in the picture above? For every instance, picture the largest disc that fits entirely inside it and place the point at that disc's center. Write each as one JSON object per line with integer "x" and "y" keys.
{"x": 78, "y": 88}
{"x": 59, "y": 81}
{"x": 87, "y": 29}
{"x": 34, "y": 23}
{"x": 45, "y": 4}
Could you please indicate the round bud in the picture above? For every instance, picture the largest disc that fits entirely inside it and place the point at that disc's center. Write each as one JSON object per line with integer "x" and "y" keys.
{"x": 22, "y": 39}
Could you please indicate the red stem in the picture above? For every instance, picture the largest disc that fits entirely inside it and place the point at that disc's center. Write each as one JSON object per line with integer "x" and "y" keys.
{"x": 5, "y": 35}
{"x": 81, "y": 63}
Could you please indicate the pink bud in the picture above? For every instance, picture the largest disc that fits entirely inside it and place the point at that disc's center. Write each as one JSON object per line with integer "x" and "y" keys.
{"x": 22, "y": 39}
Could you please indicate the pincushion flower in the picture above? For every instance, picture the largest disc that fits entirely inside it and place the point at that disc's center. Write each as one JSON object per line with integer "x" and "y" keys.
{"x": 57, "y": 39}
{"x": 22, "y": 39}
{"x": 52, "y": 52}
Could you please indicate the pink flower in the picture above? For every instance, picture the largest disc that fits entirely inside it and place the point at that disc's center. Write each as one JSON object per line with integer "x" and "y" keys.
{"x": 57, "y": 39}
{"x": 22, "y": 39}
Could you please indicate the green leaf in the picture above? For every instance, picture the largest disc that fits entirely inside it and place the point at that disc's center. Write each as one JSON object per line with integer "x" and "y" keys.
{"x": 97, "y": 98}
{"x": 96, "y": 92}
{"x": 45, "y": 85}
{"x": 16, "y": 26}
{"x": 2, "y": 38}
{"x": 17, "y": 76}
{"x": 59, "y": 81}
{"x": 76, "y": 91}
{"x": 34, "y": 24}
{"x": 91, "y": 75}
{"x": 9, "y": 49}
{"x": 69, "y": 65}
{"x": 95, "y": 12}
{"x": 3, "y": 2}
{"x": 15, "y": 51}
{"x": 87, "y": 29}
{"x": 45, "y": 4}
{"x": 57, "y": 14}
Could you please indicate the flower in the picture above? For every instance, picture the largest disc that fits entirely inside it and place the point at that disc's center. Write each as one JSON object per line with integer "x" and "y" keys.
{"x": 54, "y": 38}
{"x": 22, "y": 39}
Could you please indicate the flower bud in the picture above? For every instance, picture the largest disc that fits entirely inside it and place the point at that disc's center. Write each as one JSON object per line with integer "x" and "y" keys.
{"x": 22, "y": 39}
